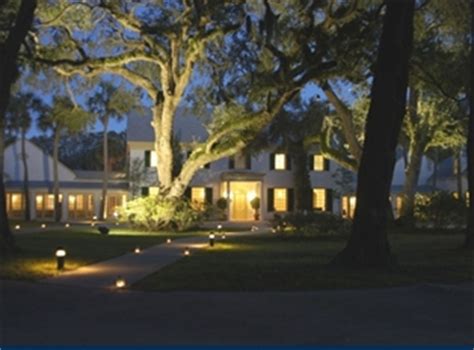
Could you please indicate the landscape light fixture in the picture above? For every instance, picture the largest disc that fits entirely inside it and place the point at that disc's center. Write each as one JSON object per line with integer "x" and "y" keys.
{"x": 67, "y": 225}
{"x": 94, "y": 217}
{"x": 17, "y": 227}
{"x": 43, "y": 225}
{"x": 211, "y": 239}
{"x": 168, "y": 240}
{"x": 186, "y": 252}
{"x": 223, "y": 236}
{"x": 219, "y": 228}
{"x": 120, "y": 282}
{"x": 60, "y": 258}
{"x": 137, "y": 250}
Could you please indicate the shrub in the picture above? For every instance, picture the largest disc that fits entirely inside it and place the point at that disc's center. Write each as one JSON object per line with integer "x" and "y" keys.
{"x": 157, "y": 213}
{"x": 312, "y": 223}
{"x": 440, "y": 209}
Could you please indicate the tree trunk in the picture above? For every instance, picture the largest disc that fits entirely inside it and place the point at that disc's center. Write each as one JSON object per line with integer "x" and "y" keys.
{"x": 105, "y": 178}
{"x": 469, "y": 242}
{"x": 57, "y": 203}
{"x": 8, "y": 73}
{"x": 368, "y": 245}
{"x": 301, "y": 180}
{"x": 346, "y": 117}
{"x": 164, "y": 117}
{"x": 412, "y": 173}
{"x": 458, "y": 167}
{"x": 26, "y": 181}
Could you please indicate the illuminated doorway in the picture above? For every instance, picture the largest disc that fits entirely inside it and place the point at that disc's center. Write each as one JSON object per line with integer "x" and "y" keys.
{"x": 241, "y": 193}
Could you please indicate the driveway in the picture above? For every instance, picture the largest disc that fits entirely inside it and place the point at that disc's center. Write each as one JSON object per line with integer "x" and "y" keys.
{"x": 43, "y": 314}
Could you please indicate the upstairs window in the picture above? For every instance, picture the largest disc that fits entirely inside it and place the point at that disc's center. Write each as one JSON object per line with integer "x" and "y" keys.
{"x": 280, "y": 161}
{"x": 151, "y": 159}
{"x": 319, "y": 163}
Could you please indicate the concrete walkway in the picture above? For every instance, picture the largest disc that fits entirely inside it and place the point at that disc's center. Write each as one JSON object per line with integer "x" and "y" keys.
{"x": 133, "y": 267}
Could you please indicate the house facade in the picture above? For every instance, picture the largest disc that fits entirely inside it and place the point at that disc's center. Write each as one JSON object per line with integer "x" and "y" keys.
{"x": 80, "y": 191}
{"x": 237, "y": 181}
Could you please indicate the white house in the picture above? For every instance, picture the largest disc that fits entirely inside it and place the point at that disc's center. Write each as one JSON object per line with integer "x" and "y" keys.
{"x": 80, "y": 191}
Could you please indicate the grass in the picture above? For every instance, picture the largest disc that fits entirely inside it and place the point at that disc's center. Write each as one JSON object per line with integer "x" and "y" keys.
{"x": 298, "y": 263}
{"x": 84, "y": 246}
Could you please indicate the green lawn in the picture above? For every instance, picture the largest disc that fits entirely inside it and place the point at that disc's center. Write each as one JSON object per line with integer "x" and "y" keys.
{"x": 293, "y": 263}
{"x": 84, "y": 246}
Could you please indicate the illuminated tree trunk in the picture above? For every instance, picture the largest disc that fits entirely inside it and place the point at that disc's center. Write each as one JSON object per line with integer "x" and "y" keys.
{"x": 8, "y": 73}
{"x": 469, "y": 242}
{"x": 105, "y": 177}
{"x": 26, "y": 181}
{"x": 368, "y": 245}
{"x": 57, "y": 203}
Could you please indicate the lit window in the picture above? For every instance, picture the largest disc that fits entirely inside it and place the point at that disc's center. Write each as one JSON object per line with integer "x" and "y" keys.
{"x": 280, "y": 161}
{"x": 319, "y": 198}
{"x": 153, "y": 191}
{"x": 279, "y": 199}
{"x": 198, "y": 196}
{"x": 39, "y": 202}
{"x": 348, "y": 206}
{"x": 318, "y": 162}
{"x": 153, "y": 159}
{"x": 17, "y": 201}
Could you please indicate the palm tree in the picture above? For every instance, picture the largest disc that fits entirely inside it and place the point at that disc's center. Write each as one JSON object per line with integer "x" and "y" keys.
{"x": 19, "y": 123}
{"x": 109, "y": 102}
{"x": 62, "y": 118}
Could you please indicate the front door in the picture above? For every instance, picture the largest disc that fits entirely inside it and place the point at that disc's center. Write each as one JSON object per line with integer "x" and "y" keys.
{"x": 241, "y": 194}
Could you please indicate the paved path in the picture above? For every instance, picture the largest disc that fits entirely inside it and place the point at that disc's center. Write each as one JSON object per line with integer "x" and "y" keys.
{"x": 40, "y": 314}
{"x": 133, "y": 267}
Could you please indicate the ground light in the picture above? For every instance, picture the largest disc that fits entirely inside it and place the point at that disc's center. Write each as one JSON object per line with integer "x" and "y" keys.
{"x": 219, "y": 228}
{"x": 137, "y": 250}
{"x": 223, "y": 236}
{"x": 67, "y": 225}
{"x": 211, "y": 239}
{"x": 17, "y": 227}
{"x": 43, "y": 225}
{"x": 60, "y": 258}
{"x": 120, "y": 282}
{"x": 168, "y": 240}
{"x": 187, "y": 252}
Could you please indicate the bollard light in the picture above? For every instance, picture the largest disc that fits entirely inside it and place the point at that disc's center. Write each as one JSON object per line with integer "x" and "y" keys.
{"x": 43, "y": 225}
{"x": 274, "y": 230}
{"x": 211, "y": 239}
{"x": 168, "y": 240}
{"x": 137, "y": 250}
{"x": 223, "y": 236}
{"x": 219, "y": 228}
{"x": 67, "y": 225}
{"x": 17, "y": 227}
{"x": 120, "y": 282}
{"x": 187, "y": 252}
{"x": 94, "y": 217}
{"x": 60, "y": 258}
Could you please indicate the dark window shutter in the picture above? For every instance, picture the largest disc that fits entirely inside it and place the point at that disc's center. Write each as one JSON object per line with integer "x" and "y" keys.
{"x": 311, "y": 162}
{"x": 187, "y": 193}
{"x": 290, "y": 198}
{"x": 326, "y": 164}
{"x": 270, "y": 201}
{"x": 272, "y": 161}
{"x": 147, "y": 159}
{"x": 287, "y": 162}
{"x": 248, "y": 161}
{"x": 231, "y": 163}
{"x": 145, "y": 191}
{"x": 329, "y": 200}
{"x": 208, "y": 192}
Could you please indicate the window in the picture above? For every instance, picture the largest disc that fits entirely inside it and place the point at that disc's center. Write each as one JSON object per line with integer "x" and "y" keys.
{"x": 280, "y": 199}
{"x": 153, "y": 191}
{"x": 151, "y": 159}
{"x": 114, "y": 201}
{"x": 319, "y": 199}
{"x": 17, "y": 201}
{"x": 240, "y": 161}
{"x": 80, "y": 206}
{"x": 319, "y": 163}
{"x": 280, "y": 161}
{"x": 348, "y": 206}
{"x": 198, "y": 196}
{"x": 44, "y": 204}
{"x": 398, "y": 205}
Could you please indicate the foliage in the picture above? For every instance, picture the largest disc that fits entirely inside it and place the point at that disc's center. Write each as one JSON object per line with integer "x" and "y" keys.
{"x": 155, "y": 213}
{"x": 137, "y": 175}
{"x": 312, "y": 223}
{"x": 255, "y": 203}
{"x": 440, "y": 209}
{"x": 222, "y": 203}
